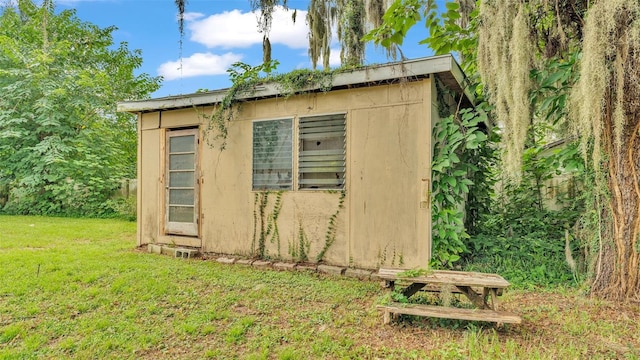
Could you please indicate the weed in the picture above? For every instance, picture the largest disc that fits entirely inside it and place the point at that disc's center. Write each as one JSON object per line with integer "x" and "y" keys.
{"x": 237, "y": 332}
{"x": 9, "y": 333}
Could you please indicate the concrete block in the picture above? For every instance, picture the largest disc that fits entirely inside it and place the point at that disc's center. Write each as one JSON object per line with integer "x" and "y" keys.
{"x": 244, "y": 261}
{"x": 226, "y": 260}
{"x": 261, "y": 264}
{"x": 154, "y": 248}
{"x": 358, "y": 273}
{"x": 284, "y": 266}
{"x": 330, "y": 269}
{"x": 306, "y": 267}
{"x": 186, "y": 253}
{"x": 168, "y": 251}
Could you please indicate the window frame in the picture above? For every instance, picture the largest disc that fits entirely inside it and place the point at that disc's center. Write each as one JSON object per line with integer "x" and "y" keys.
{"x": 332, "y": 160}
{"x": 296, "y": 149}
{"x": 291, "y": 184}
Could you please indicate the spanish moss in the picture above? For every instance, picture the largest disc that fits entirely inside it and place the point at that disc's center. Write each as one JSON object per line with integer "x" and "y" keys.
{"x": 504, "y": 60}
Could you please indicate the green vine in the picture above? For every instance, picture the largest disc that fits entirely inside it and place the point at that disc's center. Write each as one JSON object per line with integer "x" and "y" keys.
{"x": 267, "y": 222}
{"x": 245, "y": 80}
{"x": 330, "y": 236}
{"x": 458, "y": 143}
{"x": 295, "y": 81}
{"x": 264, "y": 200}
{"x": 300, "y": 250}
{"x": 396, "y": 254}
{"x": 415, "y": 273}
{"x": 256, "y": 198}
{"x": 272, "y": 221}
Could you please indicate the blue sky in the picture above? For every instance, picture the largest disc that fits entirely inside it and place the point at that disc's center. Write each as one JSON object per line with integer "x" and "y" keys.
{"x": 217, "y": 34}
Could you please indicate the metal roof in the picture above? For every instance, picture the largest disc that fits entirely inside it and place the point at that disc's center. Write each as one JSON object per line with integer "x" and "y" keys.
{"x": 444, "y": 67}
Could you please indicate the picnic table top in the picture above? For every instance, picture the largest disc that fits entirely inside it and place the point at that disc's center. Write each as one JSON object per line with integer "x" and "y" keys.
{"x": 456, "y": 278}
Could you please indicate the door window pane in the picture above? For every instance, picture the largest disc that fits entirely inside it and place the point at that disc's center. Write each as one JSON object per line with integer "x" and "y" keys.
{"x": 182, "y": 143}
{"x": 182, "y": 162}
{"x": 182, "y": 214}
{"x": 181, "y": 197}
{"x": 181, "y": 179}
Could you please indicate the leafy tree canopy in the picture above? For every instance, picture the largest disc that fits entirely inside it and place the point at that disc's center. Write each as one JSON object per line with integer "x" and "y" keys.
{"x": 570, "y": 65}
{"x": 63, "y": 147}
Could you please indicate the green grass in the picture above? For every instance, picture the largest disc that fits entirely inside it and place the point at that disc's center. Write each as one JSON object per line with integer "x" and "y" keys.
{"x": 78, "y": 288}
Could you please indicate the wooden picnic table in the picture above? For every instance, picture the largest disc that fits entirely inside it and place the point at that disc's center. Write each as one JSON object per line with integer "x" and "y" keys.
{"x": 481, "y": 289}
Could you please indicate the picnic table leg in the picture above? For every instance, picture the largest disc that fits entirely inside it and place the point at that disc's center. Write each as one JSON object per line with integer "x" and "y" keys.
{"x": 485, "y": 294}
{"x": 388, "y": 284}
{"x": 494, "y": 303}
{"x": 475, "y": 298}
{"x": 412, "y": 289}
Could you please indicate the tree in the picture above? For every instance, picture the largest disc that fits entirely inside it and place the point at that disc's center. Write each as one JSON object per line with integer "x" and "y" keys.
{"x": 63, "y": 147}
{"x": 574, "y": 62}
{"x": 349, "y": 17}
{"x": 603, "y": 107}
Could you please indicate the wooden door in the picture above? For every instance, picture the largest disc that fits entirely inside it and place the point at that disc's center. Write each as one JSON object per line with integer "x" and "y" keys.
{"x": 181, "y": 183}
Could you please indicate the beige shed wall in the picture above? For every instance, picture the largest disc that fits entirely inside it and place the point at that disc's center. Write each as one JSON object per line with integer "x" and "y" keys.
{"x": 386, "y": 214}
{"x": 149, "y": 177}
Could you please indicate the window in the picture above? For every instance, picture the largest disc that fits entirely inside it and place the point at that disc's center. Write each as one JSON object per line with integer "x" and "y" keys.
{"x": 272, "y": 155}
{"x": 321, "y": 160}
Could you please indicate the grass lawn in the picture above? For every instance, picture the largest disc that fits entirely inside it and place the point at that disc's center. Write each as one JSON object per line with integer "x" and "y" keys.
{"x": 78, "y": 288}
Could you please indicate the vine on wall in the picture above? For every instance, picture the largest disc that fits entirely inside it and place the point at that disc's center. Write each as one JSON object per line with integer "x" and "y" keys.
{"x": 300, "y": 250}
{"x": 330, "y": 235}
{"x": 265, "y": 224}
{"x": 458, "y": 156}
{"x": 395, "y": 255}
{"x": 245, "y": 80}
{"x": 265, "y": 228}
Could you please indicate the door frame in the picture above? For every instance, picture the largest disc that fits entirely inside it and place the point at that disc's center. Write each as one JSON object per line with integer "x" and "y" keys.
{"x": 181, "y": 228}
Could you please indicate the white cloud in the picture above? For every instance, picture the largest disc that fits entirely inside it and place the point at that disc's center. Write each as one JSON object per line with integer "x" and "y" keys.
{"x": 198, "y": 64}
{"x": 334, "y": 57}
{"x": 191, "y": 16}
{"x": 235, "y": 29}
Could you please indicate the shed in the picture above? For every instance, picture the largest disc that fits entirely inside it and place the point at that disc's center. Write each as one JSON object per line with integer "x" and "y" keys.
{"x": 339, "y": 175}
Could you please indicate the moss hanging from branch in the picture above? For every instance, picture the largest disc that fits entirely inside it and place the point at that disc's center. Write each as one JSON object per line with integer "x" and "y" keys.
{"x": 320, "y": 17}
{"x": 351, "y": 28}
{"x": 606, "y": 113}
{"x": 265, "y": 21}
{"x": 350, "y": 19}
{"x": 505, "y": 51}
{"x": 265, "y": 9}
{"x": 610, "y": 62}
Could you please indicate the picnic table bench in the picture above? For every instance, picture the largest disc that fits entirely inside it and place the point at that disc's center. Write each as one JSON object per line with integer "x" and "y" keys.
{"x": 480, "y": 288}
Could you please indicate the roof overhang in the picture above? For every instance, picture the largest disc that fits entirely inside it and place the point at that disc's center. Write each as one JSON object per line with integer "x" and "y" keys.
{"x": 444, "y": 67}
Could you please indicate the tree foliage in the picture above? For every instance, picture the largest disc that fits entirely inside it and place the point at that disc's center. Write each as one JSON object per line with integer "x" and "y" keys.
{"x": 602, "y": 109}
{"x": 462, "y": 150}
{"x": 63, "y": 147}
{"x": 570, "y": 66}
